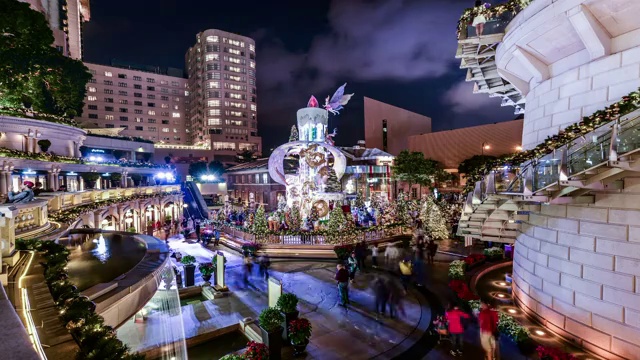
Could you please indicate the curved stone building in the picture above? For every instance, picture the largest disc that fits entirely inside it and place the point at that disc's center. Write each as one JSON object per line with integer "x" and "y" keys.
{"x": 573, "y": 214}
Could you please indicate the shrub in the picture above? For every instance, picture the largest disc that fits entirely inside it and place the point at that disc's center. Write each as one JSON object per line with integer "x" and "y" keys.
{"x": 508, "y": 326}
{"x": 256, "y": 351}
{"x": 343, "y": 251}
{"x": 473, "y": 259}
{"x": 287, "y": 303}
{"x": 462, "y": 290}
{"x": 494, "y": 253}
{"x": 299, "y": 331}
{"x": 456, "y": 269}
{"x": 206, "y": 269}
{"x": 250, "y": 248}
{"x": 44, "y": 144}
{"x": 232, "y": 357}
{"x": 270, "y": 319}
{"x": 550, "y": 353}
{"x": 188, "y": 260}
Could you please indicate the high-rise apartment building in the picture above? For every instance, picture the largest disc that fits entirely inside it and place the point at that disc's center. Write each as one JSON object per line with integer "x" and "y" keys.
{"x": 223, "y": 98}
{"x": 148, "y": 102}
{"x": 65, "y": 18}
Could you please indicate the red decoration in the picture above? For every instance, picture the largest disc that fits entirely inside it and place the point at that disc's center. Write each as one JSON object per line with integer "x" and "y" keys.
{"x": 462, "y": 290}
{"x": 313, "y": 102}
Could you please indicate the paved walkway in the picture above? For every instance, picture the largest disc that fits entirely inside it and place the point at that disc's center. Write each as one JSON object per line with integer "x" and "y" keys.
{"x": 338, "y": 333}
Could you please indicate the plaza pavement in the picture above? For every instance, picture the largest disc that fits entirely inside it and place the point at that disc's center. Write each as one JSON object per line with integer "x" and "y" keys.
{"x": 355, "y": 332}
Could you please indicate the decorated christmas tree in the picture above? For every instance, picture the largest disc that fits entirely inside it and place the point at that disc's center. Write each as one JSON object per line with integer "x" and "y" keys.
{"x": 333, "y": 184}
{"x": 294, "y": 134}
{"x": 403, "y": 208}
{"x": 336, "y": 224}
{"x": 359, "y": 201}
{"x": 294, "y": 219}
{"x": 435, "y": 224}
{"x": 260, "y": 226}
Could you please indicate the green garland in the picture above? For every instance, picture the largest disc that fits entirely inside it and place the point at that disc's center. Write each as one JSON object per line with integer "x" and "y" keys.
{"x": 588, "y": 124}
{"x": 22, "y": 112}
{"x": 469, "y": 14}
{"x": 71, "y": 214}
{"x": 347, "y": 234}
{"x": 19, "y": 154}
{"x": 95, "y": 339}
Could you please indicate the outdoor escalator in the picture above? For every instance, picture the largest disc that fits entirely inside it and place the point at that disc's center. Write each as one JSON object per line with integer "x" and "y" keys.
{"x": 196, "y": 206}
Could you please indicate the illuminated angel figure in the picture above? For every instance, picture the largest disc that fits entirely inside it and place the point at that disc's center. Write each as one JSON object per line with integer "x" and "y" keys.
{"x": 330, "y": 137}
{"x": 337, "y": 101}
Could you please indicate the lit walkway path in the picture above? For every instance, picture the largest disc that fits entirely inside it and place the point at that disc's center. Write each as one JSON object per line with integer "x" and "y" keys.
{"x": 338, "y": 333}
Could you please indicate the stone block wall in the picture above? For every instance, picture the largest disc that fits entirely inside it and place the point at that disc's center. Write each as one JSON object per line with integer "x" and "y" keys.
{"x": 564, "y": 99}
{"x": 577, "y": 268}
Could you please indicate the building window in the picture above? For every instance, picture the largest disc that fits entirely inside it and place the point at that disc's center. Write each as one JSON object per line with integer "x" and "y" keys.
{"x": 165, "y": 130}
{"x": 137, "y": 78}
{"x": 164, "y": 113}
{"x": 124, "y": 118}
{"x": 384, "y": 135}
{"x": 213, "y": 121}
{"x": 122, "y": 76}
{"x": 91, "y": 98}
{"x": 137, "y": 103}
{"x": 92, "y": 89}
{"x": 151, "y": 112}
{"x": 213, "y": 103}
{"x": 124, "y": 110}
{"x": 175, "y": 115}
{"x": 151, "y": 121}
{"x": 212, "y": 38}
{"x": 107, "y": 82}
{"x": 151, "y": 104}
{"x": 153, "y": 128}
{"x": 139, "y": 95}
{"x": 220, "y": 145}
{"x": 122, "y": 93}
{"x": 265, "y": 178}
{"x": 110, "y": 126}
{"x": 122, "y": 84}
{"x": 93, "y": 107}
{"x": 137, "y": 86}
{"x": 93, "y": 116}
{"x": 137, "y": 111}
{"x": 108, "y": 74}
{"x": 108, "y": 100}
{"x": 139, "y": 128}
{"x": 138, "y": 119}
{"x": 108, "y": 117}
{"x": 108, "y": 91}
{"x": 151, "y": 88}
{"x": 175, "y": 83}
{"x": 151, "y": 80}
{"x": 108, "y": 108}
{"x": 124, "y": 101}
{"x": 164, "y": 98}
{"x": 165, "y": 122}
{"x": 213, "y": 112}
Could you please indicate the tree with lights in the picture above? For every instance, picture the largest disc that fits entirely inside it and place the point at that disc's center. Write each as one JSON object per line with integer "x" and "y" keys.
{"x": 294, "y": 134}
{"x": 34, "y": 76}
{"x": 333, "y": 184}
{"x": 293, "y": 218}
{"x": 336, "y": 224}
{"x": 434, "y": 222}
{"x": 260, "y": 225}
{"x": 359, "y": 201}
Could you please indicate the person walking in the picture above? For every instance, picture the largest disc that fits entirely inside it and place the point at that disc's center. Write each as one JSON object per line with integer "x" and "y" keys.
{"x": 374, "y": 256}
{"x": 361, "y": 254}
{"x": 167, "y": 231}
{"x": 216, "y": 236}
{"x": 406, "y": 270}
{"x": 353, "y": 266}
{"x": 265, "y": 262}
{"x": 247, "y": 269}
{"x": 432, "y": 248}
{"x": 197, "y": 228}
{"x": 381, "y": 292}
{"x": 454, "y": 317}
{"x": 342, "y": 277}
{"x": 488, "y": 321}
{"x": 396, "y": 293}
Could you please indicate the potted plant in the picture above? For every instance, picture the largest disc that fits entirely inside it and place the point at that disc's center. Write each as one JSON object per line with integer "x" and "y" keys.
{"x": 257, "y": 351}
{"x": 116, "y": 178}
{"x": 44, "y": 145}
{"x": 250, "y": 248}
{"x": 343, "y": 251}
{"x": 494, "y": 253}
{"x": 300, "y": 332}
{"x": 233, "y": 357}
{"x": 189, "y": 269}
{"x": 550, "y": 353}
{"x": 90, "y": 179}
{"x": 270, "y": 321}
{"x": 207, "y": 270}
{"x": 136, "y": 178}
{"x": 287, "y": 304}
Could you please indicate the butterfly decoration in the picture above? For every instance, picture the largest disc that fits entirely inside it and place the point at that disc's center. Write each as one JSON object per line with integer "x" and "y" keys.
{"x": 337, "y": 101}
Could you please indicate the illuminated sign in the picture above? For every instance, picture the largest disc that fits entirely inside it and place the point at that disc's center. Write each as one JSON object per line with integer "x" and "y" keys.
{"x": 72, "y": 174}
{"x": 28, "y": 172}
{"x": 97, "y": 151}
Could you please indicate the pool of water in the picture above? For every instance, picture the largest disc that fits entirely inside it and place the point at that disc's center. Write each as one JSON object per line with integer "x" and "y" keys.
{"x": 218, "y": 347}
{"x": 193, "y": 300}
{"x": 100, "y": 258}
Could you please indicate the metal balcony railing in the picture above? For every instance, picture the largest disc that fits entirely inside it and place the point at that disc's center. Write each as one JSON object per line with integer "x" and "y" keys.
{"x": 494, "y": 25}
{"x": 579, "y": 157}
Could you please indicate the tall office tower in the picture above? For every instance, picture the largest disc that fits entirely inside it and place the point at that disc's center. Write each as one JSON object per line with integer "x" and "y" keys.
{"x": 65, "y": 18}
{"x": 146, "y": 101}
{"x": 222, "y": 83}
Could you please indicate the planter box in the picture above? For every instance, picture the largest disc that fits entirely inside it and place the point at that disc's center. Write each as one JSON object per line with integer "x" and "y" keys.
{"x": 273, "y": 340}
{"x": 190, "y": 275}
{"x": 287, "y": 319}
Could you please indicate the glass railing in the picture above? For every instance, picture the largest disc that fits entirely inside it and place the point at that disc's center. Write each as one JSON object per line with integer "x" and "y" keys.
{"x": 589, "y": 151}
{"x": 507, "y": 178}
{"x": 629, "y": 136}
{"x": 546, "y": 172}
{"x": 493, "y": 25}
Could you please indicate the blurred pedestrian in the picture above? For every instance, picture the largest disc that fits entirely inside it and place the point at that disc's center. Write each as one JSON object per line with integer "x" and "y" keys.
{"x": 396, "y": 293}
{"x": 361, "y": 254}
{"x": 352, "y": 263}
{"x": 265, "y": 262}
{"x": 381, "y": 293}
{"x": 374, "y": 256}
{"x": 167, "y": 231}
{"x": 406, "y": 270}
{"x": 432, "y": 248}
{"x": 342, "y": 277}
{"x": 216, "y": 236}
{"x": 488, "y": 321}
{"x": 197, "y": 228}
{"x": 454, "y": 317}
{"x": 248, "y": 265}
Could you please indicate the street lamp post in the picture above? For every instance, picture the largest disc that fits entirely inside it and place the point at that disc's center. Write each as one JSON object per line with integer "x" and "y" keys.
{"x": 485, "y": 146}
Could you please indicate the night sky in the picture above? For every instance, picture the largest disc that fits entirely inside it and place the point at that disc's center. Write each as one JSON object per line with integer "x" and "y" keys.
{"x": 399, "y": 52}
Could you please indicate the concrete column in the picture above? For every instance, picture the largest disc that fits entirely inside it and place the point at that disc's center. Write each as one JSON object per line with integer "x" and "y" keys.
{"x": 3, "y": 183}
{"x": 80, "y": 183}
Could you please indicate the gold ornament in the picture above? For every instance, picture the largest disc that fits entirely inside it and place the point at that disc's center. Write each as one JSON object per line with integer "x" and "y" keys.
{"x": 322, "y": 207}
{"x": 315, "y": 159}
{"x": 308, "y": 186}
